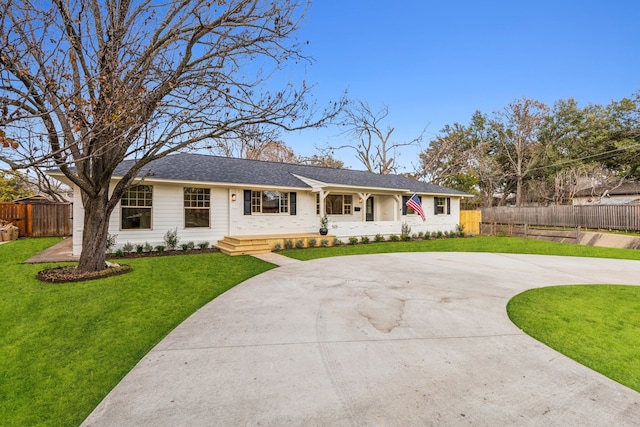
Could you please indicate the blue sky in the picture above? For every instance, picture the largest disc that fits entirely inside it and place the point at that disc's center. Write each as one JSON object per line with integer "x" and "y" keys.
{"x": 435, "y": 63}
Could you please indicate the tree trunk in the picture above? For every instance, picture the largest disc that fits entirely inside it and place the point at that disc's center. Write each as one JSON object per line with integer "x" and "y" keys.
{"x": 96, "y": 228}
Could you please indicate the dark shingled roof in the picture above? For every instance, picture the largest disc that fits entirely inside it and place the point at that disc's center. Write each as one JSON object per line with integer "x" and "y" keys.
{"x": 205, "y": 168}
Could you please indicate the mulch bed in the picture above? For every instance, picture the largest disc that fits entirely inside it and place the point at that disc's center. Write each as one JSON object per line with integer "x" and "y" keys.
{"x": 71, "y": 274}
{"x": 163, "y": 253}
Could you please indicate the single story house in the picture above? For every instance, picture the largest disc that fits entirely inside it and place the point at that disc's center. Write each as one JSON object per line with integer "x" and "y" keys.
{"x": 624, "y": 193}
{"x": 207, "y": 198}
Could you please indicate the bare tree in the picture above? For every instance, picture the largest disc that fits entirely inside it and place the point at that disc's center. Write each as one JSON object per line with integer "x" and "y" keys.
{"x": 517, "y": 128}
{"x": 84, "y": 85}
{"x": 324, "y": 157}
{"x": 374, "y": 147}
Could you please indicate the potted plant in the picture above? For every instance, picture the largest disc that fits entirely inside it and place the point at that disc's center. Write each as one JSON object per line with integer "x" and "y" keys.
{"x": 324, "y": 222}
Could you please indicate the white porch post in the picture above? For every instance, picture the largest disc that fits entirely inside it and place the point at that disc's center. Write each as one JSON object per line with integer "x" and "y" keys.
{"x": 363, "y": 210}
{"x": 397, "y": 212}
{"x": 323, "y": 194}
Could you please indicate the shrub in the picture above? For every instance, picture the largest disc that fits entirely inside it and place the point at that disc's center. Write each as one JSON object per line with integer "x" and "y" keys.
{"x": 394, "y": 238}
{"x": 277, "y": 247}
{"x": 288, "y": 244}
{"x": 299, "y": 244}
{"x": 139, "y": 248}
{"x": 203, "y": 245}
{"x": 127, "y": 247}
{"x": 353, "y": 240}
{"x": 160, "y": 248}
{"x": 405, "y": 237}
{"x": 147, "y": 247}
{"x": 378, "y": 238}
{"x": 111, "y": 242}
{"x": 337, "y": 242}
{"x": 439, "y": 234}
{"x": 364, "y": 239}
{"x": 312, "y": 243}
{"x": 421, "y": 235}
{"x": 405, "y": 230}
{"x": 184, "y": 246}
{"x": 119, "y": 253}
{"x": 191, "y": 245}
{"x": 171, "y": 239}
{"x": 446, "y": 234}
{"x": 324, "y": 243}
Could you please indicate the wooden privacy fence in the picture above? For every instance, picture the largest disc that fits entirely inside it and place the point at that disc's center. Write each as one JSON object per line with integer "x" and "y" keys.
{"x": 39, "y": 219}
{"x": 601, "y": 217}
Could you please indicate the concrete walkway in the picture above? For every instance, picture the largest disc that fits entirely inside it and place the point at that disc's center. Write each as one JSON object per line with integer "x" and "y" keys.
{"x": 375, "y": 340}
{"x": 60, "y": 252}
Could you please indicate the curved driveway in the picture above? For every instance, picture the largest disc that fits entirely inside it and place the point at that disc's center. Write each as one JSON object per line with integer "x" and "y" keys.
{"x": 387, "y": 340}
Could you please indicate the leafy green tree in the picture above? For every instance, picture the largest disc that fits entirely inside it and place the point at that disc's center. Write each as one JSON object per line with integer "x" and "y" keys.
{"x": 13, "y": 185}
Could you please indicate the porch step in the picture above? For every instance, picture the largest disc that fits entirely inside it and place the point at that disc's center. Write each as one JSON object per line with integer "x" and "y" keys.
{"x": 264, "y": 243}
{"x": 238, "y": 246}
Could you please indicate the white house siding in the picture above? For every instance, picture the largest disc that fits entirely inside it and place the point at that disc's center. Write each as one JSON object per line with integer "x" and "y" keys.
{"x": 167, "y": 214}
{"x": 343, "y": 228}
{"x": 305, "y": 220}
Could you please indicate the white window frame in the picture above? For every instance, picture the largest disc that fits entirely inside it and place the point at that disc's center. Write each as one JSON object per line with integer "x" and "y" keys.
{"x": 198, "y": 200}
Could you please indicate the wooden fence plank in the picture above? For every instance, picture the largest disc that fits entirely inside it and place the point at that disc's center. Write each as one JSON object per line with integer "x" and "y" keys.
{"x": 601, "y": 217}
{"x": 39, "y": 219}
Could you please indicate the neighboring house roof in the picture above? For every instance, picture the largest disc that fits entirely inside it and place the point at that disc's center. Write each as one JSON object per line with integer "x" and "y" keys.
{"x": 626, "y": 188}
{"x": 206, "y": 168}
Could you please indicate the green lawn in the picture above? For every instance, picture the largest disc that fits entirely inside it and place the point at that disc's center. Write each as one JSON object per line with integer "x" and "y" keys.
{"x": 475, "y": 244}
{"x": 63, "y": 347}
{"x": 597, "y": 326}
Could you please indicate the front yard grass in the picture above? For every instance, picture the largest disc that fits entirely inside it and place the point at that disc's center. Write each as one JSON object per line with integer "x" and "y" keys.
{"x": 594, "y": 325}
{"x": 63, "y": 347}
{"x": 473, "y": 244}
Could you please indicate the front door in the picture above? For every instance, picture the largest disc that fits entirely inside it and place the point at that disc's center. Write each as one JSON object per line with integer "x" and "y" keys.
{"x": 369, "y": 209}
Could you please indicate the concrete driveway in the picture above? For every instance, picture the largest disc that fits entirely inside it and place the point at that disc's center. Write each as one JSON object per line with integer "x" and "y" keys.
{"x": 376, "y": 340}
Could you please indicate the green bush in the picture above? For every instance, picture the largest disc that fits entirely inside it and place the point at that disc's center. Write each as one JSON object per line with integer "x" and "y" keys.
{"x": 299, "y": 244}
{"x": 139, "y": 248}
{"x": 378, "y": 238}
{"x": 171, "y": 239}
{"x": 312, "y": 243}
{"x": 111, "y": 242}
{"x": 160, "y": 248}
{"x": 288, "y": 244}
{"x": 394, "y": 238}
{"x": 203, "y": 245}
{"x": 324, "y": 243}
{"x": 277, "y": 247}
{"x": 364, "y": 239}
{"x": 148, "y": 247}
{"x": 353, "y": 240}
{"x": 127, "y": 247}
{"x": 337, "y": 242}
{"x": 119, "y": 253}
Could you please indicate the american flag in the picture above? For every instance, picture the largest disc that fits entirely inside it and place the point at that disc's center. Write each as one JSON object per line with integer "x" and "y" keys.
{"x": 414, "y": 203}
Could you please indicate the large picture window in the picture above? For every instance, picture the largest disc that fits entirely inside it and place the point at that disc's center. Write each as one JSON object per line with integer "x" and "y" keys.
{"x": 338, "y": 204}
{"x": 197, "y": 202}
{"x": 135, "y": 208}
{"x": 269, "y": 202}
